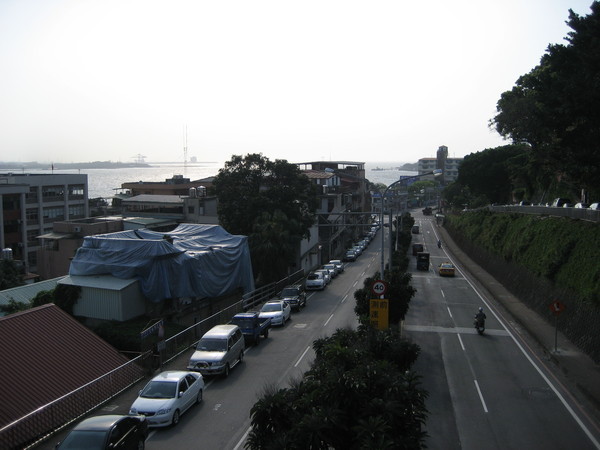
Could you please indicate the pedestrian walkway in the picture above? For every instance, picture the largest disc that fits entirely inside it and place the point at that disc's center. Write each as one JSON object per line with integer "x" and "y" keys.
{"x": 573, "y": 368}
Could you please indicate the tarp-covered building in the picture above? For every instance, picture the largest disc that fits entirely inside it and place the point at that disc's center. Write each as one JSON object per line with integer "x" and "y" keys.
{"x": 190, "y": 261}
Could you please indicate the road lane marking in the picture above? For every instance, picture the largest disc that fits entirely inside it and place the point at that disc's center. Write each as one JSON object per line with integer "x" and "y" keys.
{"x": 344, "y": 298}
{"x": 480, "y": 396}
{"x": 302, "y": 356}
{"x": 449, "y": 312}
{"x": 461, "y": 342}
{"x": 327, "y": 321}
{"x": 461, "y": 330}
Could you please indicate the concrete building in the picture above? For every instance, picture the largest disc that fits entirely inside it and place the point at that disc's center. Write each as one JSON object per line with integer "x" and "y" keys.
{"x": 449, "y": 166}
{"x": 31, "y": 203}
{"x": 343, "y": 213}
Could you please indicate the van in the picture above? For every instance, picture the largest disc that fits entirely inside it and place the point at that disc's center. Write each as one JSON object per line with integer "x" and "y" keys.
{"x": 220, "y": 349}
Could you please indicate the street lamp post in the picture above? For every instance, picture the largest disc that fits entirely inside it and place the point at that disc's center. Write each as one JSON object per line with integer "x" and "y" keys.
{"x": 435, "y": 173}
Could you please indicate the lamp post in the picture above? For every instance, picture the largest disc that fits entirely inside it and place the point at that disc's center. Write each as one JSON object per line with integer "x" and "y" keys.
{"x": 435, "y": 173}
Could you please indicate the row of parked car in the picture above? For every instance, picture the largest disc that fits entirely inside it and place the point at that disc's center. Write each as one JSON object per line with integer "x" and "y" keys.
{"x": 356, "y": 250}
{"x": 564, "y": 203}
{"x": 169, "y": 394}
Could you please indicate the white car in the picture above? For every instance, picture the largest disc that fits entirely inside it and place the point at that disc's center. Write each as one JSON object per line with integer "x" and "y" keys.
{"x": 278, "y": 311}
{"x": 326, "y": 275}
{"x": 332, "y": 269}
{"x": 315, "y": 280}
{"x": 339, "y": 265}
{"x": 167, "y": 396}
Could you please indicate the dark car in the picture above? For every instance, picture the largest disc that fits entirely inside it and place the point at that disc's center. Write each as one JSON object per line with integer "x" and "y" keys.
{"x": 294, "y": 295}
{"x": 108, "y": 432}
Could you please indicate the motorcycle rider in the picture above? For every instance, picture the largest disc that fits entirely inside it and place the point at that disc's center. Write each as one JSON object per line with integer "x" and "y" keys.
{"x": 439, "y": 243}
{"x": 480, "y": 316}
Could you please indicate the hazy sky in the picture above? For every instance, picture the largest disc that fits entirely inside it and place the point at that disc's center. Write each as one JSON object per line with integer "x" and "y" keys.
{"x": 302, "y": 80}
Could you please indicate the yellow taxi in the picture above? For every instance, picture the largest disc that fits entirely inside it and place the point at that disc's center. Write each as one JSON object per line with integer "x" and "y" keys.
{"x": 446, "y": 269}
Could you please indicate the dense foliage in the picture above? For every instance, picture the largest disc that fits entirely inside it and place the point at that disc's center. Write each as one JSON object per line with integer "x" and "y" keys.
{"x": 562, "y": 250}
{"x": 358, "y": 394}
{"x": 555, "y": 108}
{"x": 272, "y": 203}
{"x": 10, "y": 275}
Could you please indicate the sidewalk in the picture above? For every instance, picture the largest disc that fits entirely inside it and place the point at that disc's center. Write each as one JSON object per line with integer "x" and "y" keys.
{"x": 575, "y": 370}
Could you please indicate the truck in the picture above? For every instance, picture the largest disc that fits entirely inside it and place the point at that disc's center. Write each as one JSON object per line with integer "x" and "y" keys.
{"x": 422, "y": 261}
{"x": 252, "y": 326}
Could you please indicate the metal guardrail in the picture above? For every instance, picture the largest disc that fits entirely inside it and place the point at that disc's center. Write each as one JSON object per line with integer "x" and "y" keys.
{"x": 573, "y": 213}
{"x": 54, "y": 416}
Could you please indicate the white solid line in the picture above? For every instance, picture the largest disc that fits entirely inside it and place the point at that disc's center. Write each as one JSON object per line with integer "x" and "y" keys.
{"x": 442, "y": 291}
{"x": 327, "y": 321}
{"x": 449, "y": 312}
{"x": 241, "y": 441}
{"x": 480, "y": 396}
{"x": 461, "y": 342}
{"x": 302, "y": 356}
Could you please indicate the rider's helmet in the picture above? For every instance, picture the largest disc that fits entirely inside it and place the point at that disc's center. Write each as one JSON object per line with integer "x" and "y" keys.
{"x": 480, "y": 309}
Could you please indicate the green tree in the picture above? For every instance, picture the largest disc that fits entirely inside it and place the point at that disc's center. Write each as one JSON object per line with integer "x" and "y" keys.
{"x": 555, "y": 108}
{"x": 260, "y": 198}
{"x": 10, "y": 276}
{"x": 491, "y": 175}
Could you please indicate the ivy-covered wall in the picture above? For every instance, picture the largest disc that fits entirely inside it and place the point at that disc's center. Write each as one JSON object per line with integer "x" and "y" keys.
{"x": 540, "y": 259}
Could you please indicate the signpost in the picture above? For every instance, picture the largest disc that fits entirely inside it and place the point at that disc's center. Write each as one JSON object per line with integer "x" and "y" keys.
{"x": 379, "y": 307}
{"x": 556, "y": 307}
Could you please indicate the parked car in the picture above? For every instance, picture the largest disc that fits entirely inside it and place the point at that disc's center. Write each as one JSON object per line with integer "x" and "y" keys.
{"x": 524, "y": 203}
{"x": 350, "y": 255}
{"x": 326, "y": 275}
{"x": 167, "y": 396}
{"x": 338, "y": 264}
{"x": 595, "y": 206}
{"x": 252, "y": 326}
{"x": 446, "y": 269}
{"x": 294, "y": 295}
{"x": 331, "y": 268}
{"x": 110, "y": 431}
{"x": 357, "y": 249}
{"x": 581, "y": 205}
{"x": 559, "y": 202}
{"x": 415, "y": 229}
{"x": 218, "y": 351}
{"x": 315, "y": 280}
{"x": 277, "y": 310}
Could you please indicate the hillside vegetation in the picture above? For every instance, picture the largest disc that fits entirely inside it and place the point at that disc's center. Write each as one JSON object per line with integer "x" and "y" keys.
{"x": 561, "y": 250}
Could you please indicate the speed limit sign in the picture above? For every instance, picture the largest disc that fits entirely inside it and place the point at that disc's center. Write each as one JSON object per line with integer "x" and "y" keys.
{"x": 379, "y": 287}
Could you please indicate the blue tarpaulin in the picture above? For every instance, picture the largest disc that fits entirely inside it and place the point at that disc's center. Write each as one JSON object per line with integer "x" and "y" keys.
{"x": 190, "y": 261}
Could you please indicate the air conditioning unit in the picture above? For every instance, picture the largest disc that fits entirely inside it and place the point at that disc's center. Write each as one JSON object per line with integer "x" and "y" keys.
{"x": 77, "y": 229}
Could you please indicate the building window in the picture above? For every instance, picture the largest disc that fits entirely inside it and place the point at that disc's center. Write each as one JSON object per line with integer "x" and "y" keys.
{"x": 53, "y": 193}
{"x": 190, "y": 210}
{"x": 76, "y": 211}
{"x": 32, "y": 195}
{"x": 54, "y": 213}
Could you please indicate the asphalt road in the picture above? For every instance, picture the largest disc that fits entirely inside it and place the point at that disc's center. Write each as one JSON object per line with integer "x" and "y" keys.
{"x": 485, "y": 392}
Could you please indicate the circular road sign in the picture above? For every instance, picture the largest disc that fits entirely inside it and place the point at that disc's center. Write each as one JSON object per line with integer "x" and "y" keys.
{"x": 379, "y": 287}
{"x": 557, "y": 307}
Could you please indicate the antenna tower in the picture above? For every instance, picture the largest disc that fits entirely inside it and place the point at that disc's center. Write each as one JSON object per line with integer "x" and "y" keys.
{"x": 185, "y": 149}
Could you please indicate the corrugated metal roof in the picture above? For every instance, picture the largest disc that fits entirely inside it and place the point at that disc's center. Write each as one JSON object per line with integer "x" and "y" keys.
{"x": 46, "y": 354}
{"x": 98, "y": 281}
{"x": 23, "y": 294}
{"x": 154, "y": 198}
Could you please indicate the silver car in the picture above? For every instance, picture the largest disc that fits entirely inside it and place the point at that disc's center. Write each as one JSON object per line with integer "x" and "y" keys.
{"x": 167, "y": 396}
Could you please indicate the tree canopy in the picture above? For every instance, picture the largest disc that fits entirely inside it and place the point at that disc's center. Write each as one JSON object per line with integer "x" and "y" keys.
{"x": 266, "y": 200}
{"x": 555, "y": 108}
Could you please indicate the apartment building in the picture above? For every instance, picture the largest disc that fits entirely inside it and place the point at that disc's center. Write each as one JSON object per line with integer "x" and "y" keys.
{"x": 449, "y": 166}
{"x": 31, "y": 203}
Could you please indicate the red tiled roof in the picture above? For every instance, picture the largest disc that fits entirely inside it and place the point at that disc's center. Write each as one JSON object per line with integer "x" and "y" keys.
{"x": 45, "y": 354}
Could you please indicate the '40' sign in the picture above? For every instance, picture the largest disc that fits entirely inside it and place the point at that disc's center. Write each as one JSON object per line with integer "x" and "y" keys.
{"x": 379, "y": 287}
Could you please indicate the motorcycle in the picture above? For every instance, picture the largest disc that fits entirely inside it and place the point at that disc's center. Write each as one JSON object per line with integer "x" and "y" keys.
{"x": 439, "y": 244}
{"x": 479, "y": 324}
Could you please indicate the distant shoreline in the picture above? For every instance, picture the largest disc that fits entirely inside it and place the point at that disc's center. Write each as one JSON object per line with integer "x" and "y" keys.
{"x": 81, "y": 165}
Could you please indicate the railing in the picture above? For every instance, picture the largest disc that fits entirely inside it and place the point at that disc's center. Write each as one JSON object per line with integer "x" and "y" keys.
{"x": 49, "y": 418}
{"x": 573, "y": 213}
